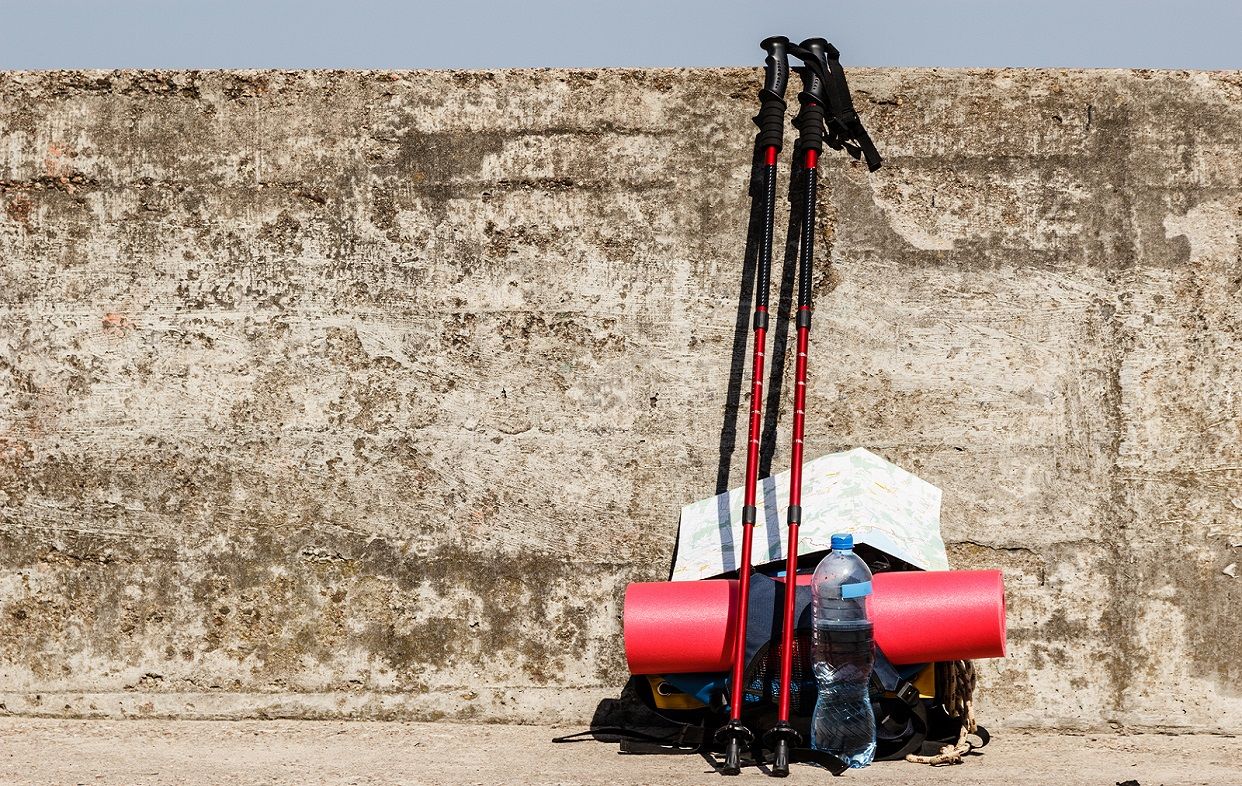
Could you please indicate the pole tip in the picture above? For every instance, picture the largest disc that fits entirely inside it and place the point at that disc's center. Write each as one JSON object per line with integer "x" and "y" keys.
{"x": 780, "y": 762}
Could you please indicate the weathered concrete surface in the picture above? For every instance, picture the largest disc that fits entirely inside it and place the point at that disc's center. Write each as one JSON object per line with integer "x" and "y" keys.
{"x": 365, "y": 394}
{"x": 174, "y": 753}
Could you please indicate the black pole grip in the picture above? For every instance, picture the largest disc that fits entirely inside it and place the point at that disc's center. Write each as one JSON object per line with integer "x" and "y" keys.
{"x": 814, "y": 96}
{"x": 775, "y": 68}
{"x": 814, "y": 54}
{"x": 771, "y": 117}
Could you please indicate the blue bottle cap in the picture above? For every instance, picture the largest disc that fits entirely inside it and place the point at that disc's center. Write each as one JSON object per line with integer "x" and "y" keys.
{"x": 842, "y": 542}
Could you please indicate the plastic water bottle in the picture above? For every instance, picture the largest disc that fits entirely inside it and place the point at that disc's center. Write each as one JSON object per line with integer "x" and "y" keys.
{"x": 842, "y": 654}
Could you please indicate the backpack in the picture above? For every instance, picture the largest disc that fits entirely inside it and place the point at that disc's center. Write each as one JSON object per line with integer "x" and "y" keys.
{"x": 673, "y": 714}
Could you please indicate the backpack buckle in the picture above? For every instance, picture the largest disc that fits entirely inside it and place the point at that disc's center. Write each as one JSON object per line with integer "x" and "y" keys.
{"x": 908, "y": 693}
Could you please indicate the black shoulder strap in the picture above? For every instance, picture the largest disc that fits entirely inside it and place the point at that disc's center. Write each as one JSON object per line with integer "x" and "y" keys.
{"x": 844, "y": 124}
{"x": 933, "y": 747}
{"x": 632, "y": 721}
{"x": 688, "y": 739}
{"x": 903, "y": 723}
{"x": 828, "y": 761}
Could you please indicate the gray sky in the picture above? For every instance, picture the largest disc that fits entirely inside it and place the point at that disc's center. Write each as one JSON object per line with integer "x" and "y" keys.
{"x": 39, "y": 34}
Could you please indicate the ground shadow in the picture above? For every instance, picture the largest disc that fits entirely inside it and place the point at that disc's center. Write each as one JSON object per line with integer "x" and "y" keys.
{"x": 737, "y": 360}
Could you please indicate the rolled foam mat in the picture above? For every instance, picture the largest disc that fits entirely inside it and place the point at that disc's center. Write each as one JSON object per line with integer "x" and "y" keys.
{"x": 926, "y": 616}
{"x": 679, "y": 627}
{"x": 670, "y": 625}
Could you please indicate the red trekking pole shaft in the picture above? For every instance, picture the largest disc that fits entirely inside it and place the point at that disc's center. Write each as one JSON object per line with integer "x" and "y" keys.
{"x": 810, "y": 123}
{"x": 749, "y": 510}
{"x": 771, "y": 122}
{"x": 799, "y": 429}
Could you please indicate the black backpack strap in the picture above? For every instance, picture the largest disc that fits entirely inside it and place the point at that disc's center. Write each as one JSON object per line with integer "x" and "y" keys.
{"x": 690, "y": 741}
{"x": 844, "y": 124}
{"x": 897, "y": 722}
{"x": 687, "y": 739}
{"x": 823, "y": 759}
{"x": 982, "y": 734}
{"x": 905, "y": 718}
{"x": 638, "y": 726}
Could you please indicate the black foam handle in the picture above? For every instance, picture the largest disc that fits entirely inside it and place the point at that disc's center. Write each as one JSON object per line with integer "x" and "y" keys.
{"x": 810, "y": 123}
{"x": 771, "y": 122}
{"x": 775, "y": 67}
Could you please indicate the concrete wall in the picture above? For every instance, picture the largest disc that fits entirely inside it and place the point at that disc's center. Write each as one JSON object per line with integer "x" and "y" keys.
{"x": 366, "y": 394}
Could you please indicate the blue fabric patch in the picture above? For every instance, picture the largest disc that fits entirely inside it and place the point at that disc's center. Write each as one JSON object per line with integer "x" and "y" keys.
{"x": 701, "y": 686}
{"x": 859, "y": 590}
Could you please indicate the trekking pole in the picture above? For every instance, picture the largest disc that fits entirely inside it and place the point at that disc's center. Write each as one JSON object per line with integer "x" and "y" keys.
{"x": 771, "y": 122}
{"x": 810, "y": 123}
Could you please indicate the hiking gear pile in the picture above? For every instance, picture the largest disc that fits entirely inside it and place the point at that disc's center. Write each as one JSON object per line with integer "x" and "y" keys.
{"x": 722, "y": 667}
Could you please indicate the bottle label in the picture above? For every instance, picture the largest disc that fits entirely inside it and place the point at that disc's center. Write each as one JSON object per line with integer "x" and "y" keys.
{"x": 858, "y": 590}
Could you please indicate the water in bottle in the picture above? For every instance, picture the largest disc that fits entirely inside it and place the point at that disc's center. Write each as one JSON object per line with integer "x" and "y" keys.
{"x": 842, "y": 654}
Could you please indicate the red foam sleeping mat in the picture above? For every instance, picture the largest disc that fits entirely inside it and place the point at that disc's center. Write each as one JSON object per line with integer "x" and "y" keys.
{"x": 682, "y": 627}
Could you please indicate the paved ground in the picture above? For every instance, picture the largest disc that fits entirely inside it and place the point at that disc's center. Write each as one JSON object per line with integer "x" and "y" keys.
{"x": 308, "y": 752}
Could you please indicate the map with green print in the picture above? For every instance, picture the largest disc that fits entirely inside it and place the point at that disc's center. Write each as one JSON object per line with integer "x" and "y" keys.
{"x": 858, "y": 492}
